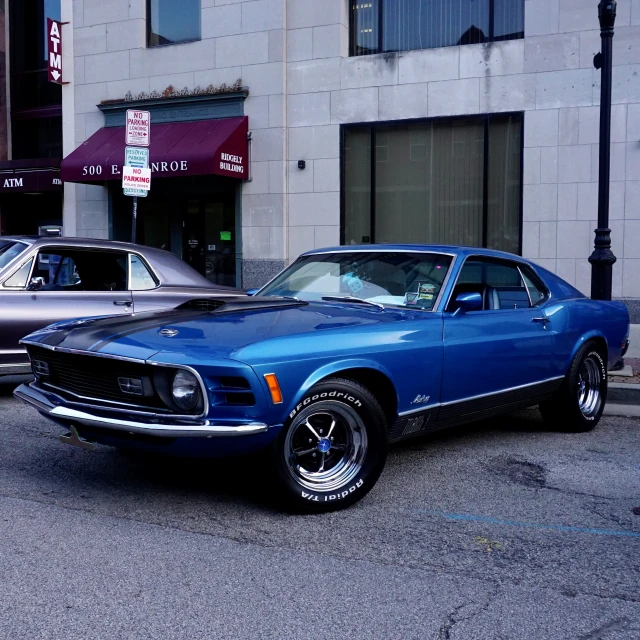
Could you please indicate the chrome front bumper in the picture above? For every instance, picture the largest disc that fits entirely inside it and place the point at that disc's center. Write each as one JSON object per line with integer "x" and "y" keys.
{"x": 157, "y": 426}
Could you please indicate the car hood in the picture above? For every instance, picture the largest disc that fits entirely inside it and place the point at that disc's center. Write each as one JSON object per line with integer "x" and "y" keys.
{"x": 218, "y": 333}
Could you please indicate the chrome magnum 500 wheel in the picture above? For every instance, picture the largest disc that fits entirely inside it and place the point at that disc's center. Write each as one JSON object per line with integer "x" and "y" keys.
{"x": 579, "y": 403}
{"x": 333, "y": 447}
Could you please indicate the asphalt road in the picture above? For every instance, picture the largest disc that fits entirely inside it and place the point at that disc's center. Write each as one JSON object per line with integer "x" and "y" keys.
{"x": 497, "y": 531}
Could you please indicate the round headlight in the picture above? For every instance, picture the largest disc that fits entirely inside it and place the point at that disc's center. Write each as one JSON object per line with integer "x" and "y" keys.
{"x": 185, "y": 390}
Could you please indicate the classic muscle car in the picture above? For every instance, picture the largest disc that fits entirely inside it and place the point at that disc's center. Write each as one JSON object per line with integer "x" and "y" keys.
{"x": 345, "y": 351}
{"x": 47, "y": 279}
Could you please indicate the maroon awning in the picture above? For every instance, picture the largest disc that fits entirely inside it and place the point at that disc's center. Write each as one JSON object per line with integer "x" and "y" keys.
{"x": 177, "y": 149}
{"x": 30, "y": 176}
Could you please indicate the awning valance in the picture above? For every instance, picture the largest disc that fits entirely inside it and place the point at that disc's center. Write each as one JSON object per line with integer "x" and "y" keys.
{"x": 30, "y": 176}
{"x": 177, "y": 149}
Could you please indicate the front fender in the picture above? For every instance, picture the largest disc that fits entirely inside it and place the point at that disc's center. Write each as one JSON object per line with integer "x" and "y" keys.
{"x": 330, "y": 369}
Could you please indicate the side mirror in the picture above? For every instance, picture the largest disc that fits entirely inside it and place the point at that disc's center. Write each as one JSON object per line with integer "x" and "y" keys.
{"x": 252, "y": 292}
{"x": 469, "y": 302}
{"x": 36, "y": 283}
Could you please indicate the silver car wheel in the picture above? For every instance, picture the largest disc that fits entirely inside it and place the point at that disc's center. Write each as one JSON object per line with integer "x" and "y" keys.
{"x": 589, "y": 386}
{"x": 326, "y": 446}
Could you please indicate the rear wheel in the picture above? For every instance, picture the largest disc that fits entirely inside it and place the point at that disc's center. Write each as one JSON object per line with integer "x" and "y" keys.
{"x": 579, "y": 403}
{"x": 332, "y": 449}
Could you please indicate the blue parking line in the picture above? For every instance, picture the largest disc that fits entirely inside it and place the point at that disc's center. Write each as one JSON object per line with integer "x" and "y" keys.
{"x": 465, "y": 517}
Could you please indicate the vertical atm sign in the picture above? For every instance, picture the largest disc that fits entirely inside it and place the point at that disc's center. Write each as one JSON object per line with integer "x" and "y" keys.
{"x": 54, "y": 49}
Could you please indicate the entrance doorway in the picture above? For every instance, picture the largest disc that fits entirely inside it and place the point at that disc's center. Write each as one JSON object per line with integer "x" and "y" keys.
{"x": 195, "y": 218}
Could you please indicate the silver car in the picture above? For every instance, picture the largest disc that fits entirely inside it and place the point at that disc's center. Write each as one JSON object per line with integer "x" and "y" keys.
{"x": 45, "y": 280}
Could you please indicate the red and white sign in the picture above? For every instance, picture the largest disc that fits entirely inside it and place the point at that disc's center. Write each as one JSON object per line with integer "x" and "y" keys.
{"x": 136, "y": 178}
{"x": 54, "y": 50}
{"x": 138, "y": 128}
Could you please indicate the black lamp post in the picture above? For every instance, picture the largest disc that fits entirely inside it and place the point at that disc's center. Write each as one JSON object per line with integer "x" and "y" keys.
{"x": 602, "y": 258}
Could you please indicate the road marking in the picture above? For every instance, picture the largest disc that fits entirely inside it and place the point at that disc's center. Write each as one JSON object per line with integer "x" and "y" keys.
{"x": 466, "y": 517}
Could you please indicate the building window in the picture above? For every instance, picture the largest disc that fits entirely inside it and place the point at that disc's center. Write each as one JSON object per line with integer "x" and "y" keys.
{"x": 172, "y": 21}
{"x": 36, "y": 103}
{"x": 379, "y": 26}
{"x": 455, "y": 181}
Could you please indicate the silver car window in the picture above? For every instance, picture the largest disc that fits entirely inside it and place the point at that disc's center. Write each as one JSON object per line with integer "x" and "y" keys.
{"x": 9, "y": 251}
{"x": 20, "y": 278}
{"x": 141, "y": 279}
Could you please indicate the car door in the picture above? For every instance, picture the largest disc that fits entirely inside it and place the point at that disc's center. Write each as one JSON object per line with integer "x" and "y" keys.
{"x": 506, "y": 345}
{"x": 148, "y": 292}
{"x": 60, "y": 284}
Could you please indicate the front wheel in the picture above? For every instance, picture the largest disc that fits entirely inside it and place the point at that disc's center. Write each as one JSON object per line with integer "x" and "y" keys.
{"x": 332, "y": 449}
{"x": 578, "y": 405}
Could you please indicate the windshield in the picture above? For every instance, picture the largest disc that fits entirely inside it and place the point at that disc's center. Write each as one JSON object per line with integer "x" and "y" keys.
{"x": 9, "y": 249}
{"x": 394, "y": 278}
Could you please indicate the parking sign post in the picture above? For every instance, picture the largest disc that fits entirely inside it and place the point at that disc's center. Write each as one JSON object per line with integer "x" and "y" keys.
{"x": 134, "y": 219}
{"x": 137, "y": 181}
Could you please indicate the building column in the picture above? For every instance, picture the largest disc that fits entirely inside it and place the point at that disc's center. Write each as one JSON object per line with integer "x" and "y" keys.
{"x": 69, "y": 219}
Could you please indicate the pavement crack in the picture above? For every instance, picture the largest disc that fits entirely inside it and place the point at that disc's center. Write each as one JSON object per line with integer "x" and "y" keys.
{"x": 598, "y": 634}
{"x": 460, "y": 614}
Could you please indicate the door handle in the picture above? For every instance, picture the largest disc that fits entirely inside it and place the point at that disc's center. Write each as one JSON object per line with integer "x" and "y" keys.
{"x": 542, "y": 319}
{"x": 122, "y": 303}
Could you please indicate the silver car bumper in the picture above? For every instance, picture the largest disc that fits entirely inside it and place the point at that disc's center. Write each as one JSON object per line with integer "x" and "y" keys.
{"x": 162, "y": 427}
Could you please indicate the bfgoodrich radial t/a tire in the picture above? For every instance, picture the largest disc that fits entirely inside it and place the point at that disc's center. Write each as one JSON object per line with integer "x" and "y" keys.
{"x": 579, "y": 403}
{"x": 332, "y": 448}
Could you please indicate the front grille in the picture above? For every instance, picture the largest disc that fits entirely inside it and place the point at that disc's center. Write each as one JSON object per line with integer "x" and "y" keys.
{"x": 81, "y": 377}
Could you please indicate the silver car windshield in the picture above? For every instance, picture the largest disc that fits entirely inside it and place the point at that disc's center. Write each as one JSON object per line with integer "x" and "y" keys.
{"x": 10, "y": 249}
{"x": 391, "y": 278}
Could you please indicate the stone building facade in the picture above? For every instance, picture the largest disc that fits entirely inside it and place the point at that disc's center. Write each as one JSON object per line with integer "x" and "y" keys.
{"x": 304, "y": 88}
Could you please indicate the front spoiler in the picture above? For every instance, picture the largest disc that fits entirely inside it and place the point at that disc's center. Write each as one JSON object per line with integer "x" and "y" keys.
{"x": 154, "y": 427}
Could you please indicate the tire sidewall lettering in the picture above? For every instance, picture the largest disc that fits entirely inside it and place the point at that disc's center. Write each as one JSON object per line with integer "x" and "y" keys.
{"x": 335, "y": 395}
{"x": 331, "y": 497}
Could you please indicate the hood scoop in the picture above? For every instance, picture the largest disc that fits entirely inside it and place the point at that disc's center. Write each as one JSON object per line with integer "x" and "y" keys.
{"x": 240, "y": 303}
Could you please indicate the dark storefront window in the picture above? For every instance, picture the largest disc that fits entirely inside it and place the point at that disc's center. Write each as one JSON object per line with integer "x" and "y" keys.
{"x": 379, "y": 26}
{"x": 36, "y": 104}
{"x": 172, "y": 21}
{"x": 455, "y": 181}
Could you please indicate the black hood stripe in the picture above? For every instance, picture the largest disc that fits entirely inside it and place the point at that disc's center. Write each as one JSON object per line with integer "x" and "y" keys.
{"x": 94, "y": 335}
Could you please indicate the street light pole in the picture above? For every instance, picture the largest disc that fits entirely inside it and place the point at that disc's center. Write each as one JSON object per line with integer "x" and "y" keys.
{"x": 602, "y": 258}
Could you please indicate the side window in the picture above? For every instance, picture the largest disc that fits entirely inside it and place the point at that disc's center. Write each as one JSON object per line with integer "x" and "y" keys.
{"x": 102, "y": 270}
{"x": 20, "y": 278}
{"x": 499, "y": 283}
{"x": 141, "y": 279}
{"x": 81, "y": 270}
{"x": 537, "y": 290}
{"x": 56, "y": 270}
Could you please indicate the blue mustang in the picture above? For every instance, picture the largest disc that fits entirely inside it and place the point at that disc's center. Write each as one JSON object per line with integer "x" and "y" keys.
{"x": 346, "y": 350}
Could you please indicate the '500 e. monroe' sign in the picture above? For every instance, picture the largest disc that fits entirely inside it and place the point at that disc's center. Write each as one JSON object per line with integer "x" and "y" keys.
{"x": 224, "y": 164}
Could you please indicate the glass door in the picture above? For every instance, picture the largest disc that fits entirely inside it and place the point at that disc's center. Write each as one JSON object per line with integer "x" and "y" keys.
{"x": 210, "y": 238}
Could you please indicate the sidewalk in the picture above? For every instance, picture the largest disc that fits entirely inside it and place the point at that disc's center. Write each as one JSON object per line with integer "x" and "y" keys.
{"x": 624, "y": 386}
{"x": 634, "y": 339}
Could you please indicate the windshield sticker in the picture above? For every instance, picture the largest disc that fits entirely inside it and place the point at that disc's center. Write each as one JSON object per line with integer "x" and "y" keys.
{"x": 410, "y": 298}
{"x": 426, "y": 290}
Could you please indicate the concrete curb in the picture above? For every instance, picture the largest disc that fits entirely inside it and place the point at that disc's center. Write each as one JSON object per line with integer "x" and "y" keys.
{"x": 624, "y": 393}
{"x": 622, "y": 410}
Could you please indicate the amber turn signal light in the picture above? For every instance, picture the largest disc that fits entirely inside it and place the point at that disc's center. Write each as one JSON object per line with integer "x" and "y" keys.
{"x": 274, "y": 388}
